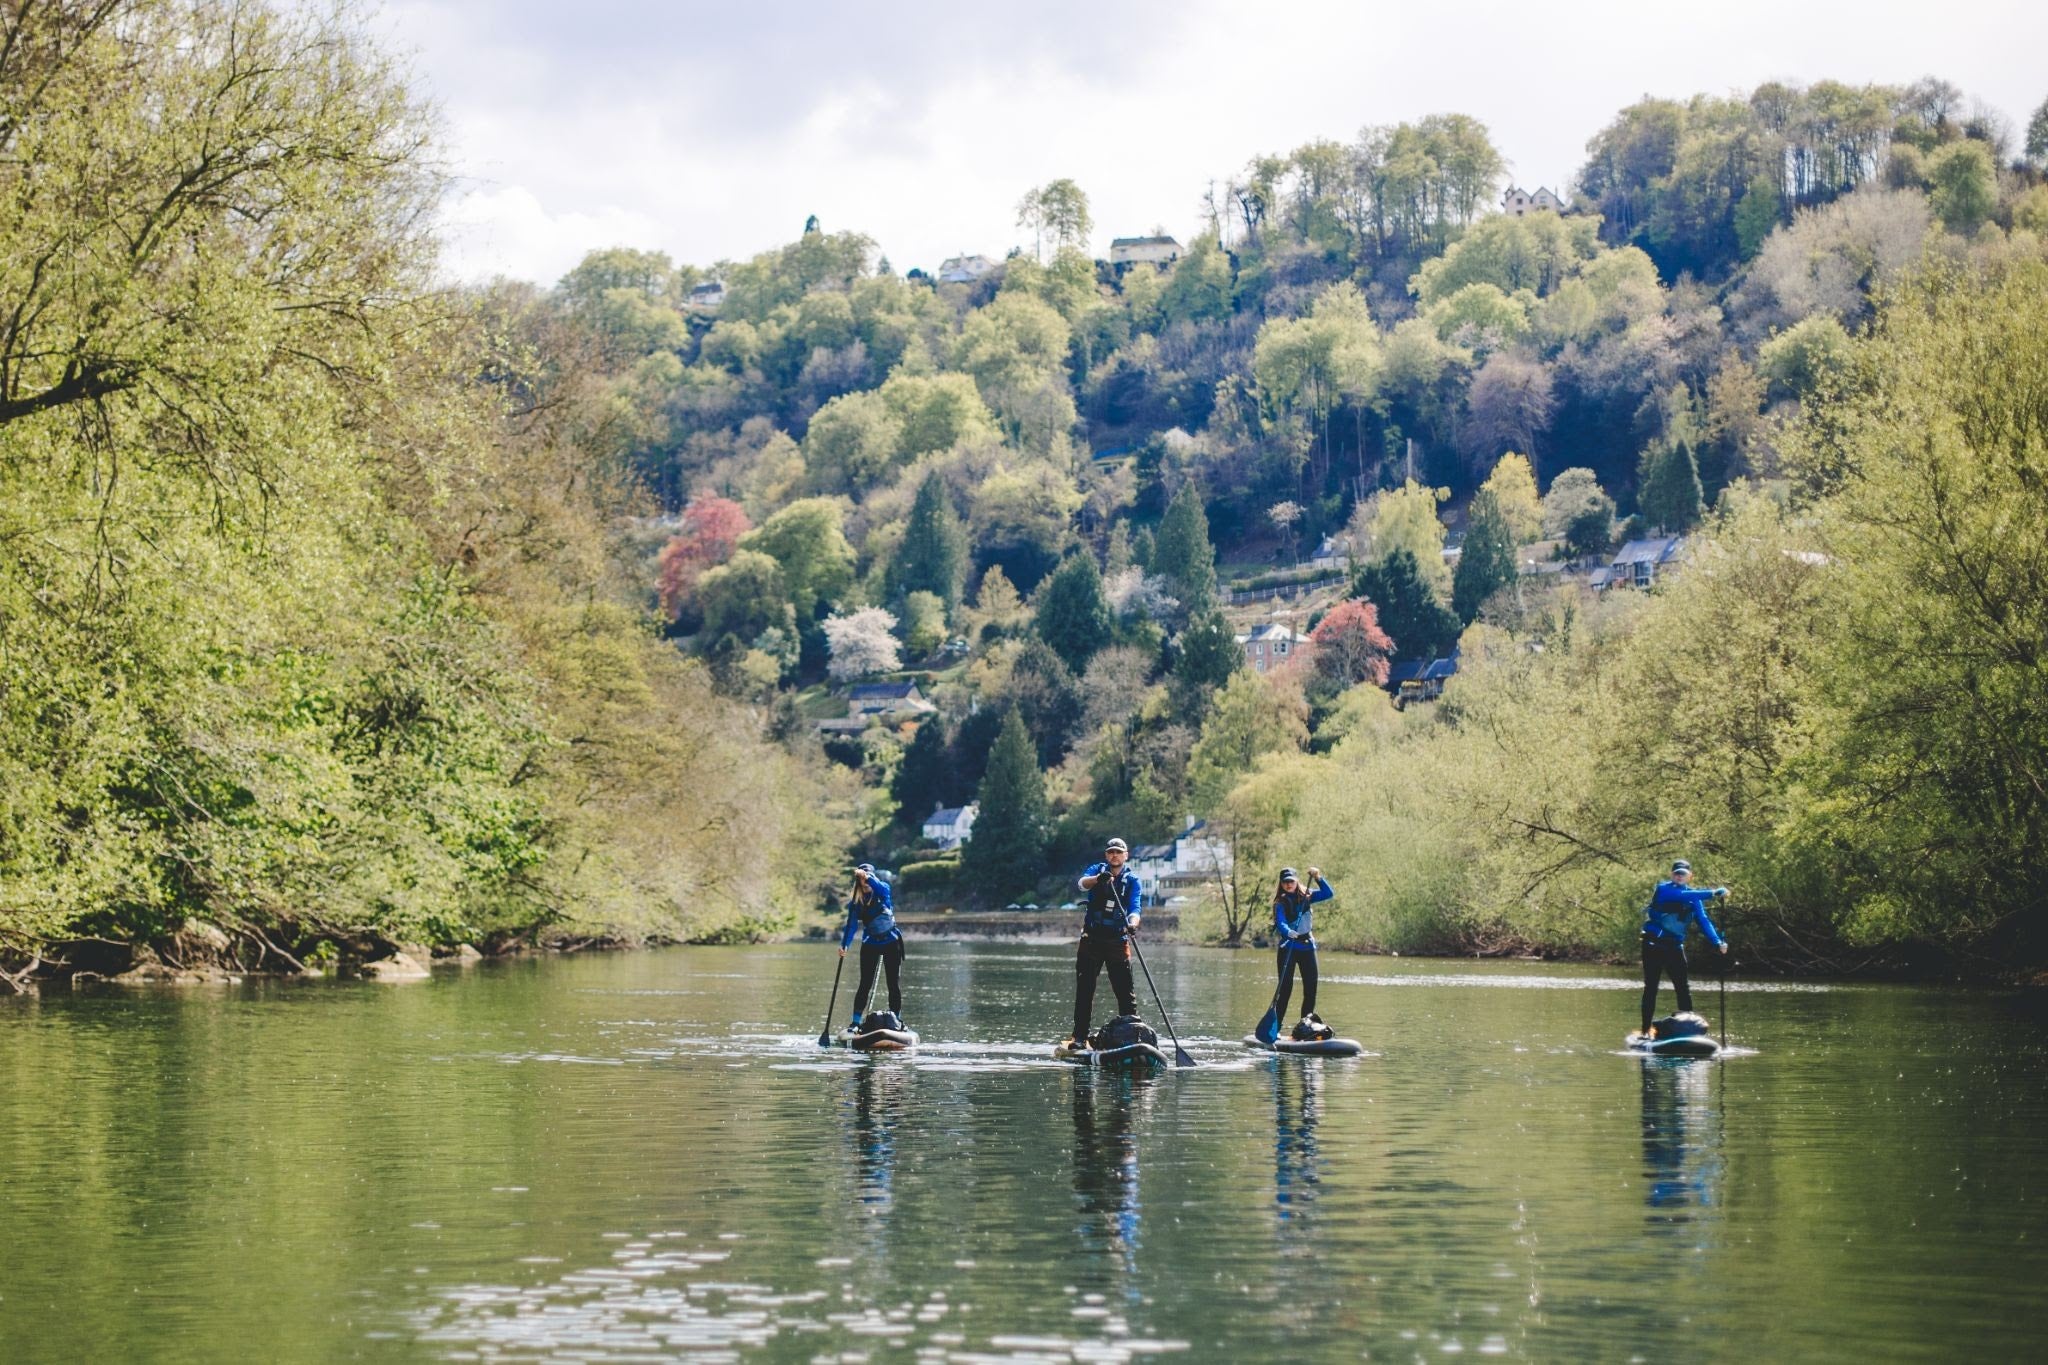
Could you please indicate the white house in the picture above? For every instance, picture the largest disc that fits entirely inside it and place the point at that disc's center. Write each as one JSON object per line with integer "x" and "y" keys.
{"x": 1519, "y": 203}
{"x": 1270, "y": 645}
{"x": 1156, "y": 251}
{"x": 951, "y": 826}
{"x": 1191, "y": 859}
{"x": 964, "y": 269}
{"x": 1332, "y": 554}
{"x": 707, "y": 297}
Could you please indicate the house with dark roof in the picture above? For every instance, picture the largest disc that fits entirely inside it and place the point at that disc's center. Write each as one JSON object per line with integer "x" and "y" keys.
{"x": 1637, "y": 564}
{"x": 952, "y": 826}
{"x": 707, "y": 297}
{"x": 1194, "y": 856}
{"x": 1270, "y": 645}
{"x": 1125, "y": 252}
{"x": 885, "y": 699}
{"x": 1421, "y": 679}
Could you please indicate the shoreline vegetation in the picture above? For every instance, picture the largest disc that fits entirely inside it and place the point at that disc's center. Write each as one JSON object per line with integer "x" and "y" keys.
{"x": 346, "y": 615}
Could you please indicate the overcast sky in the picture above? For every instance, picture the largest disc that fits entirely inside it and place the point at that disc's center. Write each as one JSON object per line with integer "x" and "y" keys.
{"x": 711, "y": 131}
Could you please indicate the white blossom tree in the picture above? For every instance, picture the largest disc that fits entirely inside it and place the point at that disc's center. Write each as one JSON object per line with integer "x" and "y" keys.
{"x": 862, "y": 642}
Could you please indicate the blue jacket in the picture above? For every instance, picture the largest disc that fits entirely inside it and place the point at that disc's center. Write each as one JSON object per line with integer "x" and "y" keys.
{"x": 1104, "y": 896}
{"x": 873, "y": 915}
{"x": 1292, "y": 916}
{"x": 1672, "y": 905}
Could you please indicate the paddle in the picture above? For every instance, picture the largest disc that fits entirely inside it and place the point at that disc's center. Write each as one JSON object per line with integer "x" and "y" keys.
{"x": 1268, "y": 1030}
{"x": 825, "y": 1033}
{"x": 1724, "y": 999}
{"x": 1180, "y": 1054}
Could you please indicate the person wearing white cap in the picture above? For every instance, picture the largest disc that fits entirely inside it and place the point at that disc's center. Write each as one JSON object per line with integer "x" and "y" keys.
{"x": 1664, "y": 924}
{"x": 1114, "y": 900}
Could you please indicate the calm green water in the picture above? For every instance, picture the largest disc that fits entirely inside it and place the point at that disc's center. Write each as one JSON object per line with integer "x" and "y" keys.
{"x": 635, "y": 1157}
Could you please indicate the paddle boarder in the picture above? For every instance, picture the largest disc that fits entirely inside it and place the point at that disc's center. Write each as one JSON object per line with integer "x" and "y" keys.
{"x": 1294, "y": 921}
{"x": 872, "y": 914}
{"x": 1114, "y": 900}
{"x": 1675, "y": 902}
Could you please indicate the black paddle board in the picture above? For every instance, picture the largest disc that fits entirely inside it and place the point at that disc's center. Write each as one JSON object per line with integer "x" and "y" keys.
{"x": 1687, "y": 1045}
{"x": 1320, "y": 1047}
{"x": 1131, "y": 1054}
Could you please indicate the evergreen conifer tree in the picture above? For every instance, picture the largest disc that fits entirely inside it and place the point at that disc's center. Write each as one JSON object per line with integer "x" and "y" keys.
{"x": 1669, "y": 492}
{"x": 1208, "y": 656}
{"x": 1487, "y": 562}
{"x": 1420, "y": 626}
{"x": 933, "y": 555}
{"x": 1072, "y": 615}
{"x": 1006, "y": 853}
{"x": 924, "y": 779}
{"x": 1182, "y": 554}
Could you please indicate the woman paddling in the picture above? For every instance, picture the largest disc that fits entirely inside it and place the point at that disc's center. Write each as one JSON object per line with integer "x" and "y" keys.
{"x": 1672, "y": 905}
{"x": 871, "y": 914}
{"x": 1295, "y": 923}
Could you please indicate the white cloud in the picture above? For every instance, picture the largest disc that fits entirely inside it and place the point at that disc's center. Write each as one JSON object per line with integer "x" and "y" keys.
{"x": 713, "y": 131}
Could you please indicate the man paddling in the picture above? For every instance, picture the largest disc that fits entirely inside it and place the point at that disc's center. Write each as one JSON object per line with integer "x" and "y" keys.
{"x": 1294, "y": 921}
{"x": 871, "y": 913}
{"x": 1114, "y": 898}
{"x": 1674, "y": 903}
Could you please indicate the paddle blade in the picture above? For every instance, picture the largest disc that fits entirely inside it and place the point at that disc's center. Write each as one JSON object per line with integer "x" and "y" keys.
{"x": 825, "y": 1036}
{"x": 1268, "y": 1031}
{"x": 1180, "y": 1056}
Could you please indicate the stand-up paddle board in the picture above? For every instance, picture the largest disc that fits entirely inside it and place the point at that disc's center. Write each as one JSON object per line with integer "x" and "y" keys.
{"x": 1131, "y": 1054}
{"x": 1678, "y": 1035}
{"x": 880, "y": 1040}
{"x": 1308, "y": 1047}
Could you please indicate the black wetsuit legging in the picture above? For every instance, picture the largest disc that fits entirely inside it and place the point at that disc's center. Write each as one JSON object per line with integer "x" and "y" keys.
{"x": 1096, "y": 951}
{"x": 1662, "y": 956}
{"x": 1291, "y": 956}
{"x": 871, "y": 955}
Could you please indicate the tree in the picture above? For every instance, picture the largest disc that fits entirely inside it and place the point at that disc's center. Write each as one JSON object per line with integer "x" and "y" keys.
{"x": 1416, "y": 623}
{"x": 1486, "y": 564}
{"x": 924, "y": 624}
{"x": 711, "y": 529}
{"x": 1071, "y": 615}
{"x": 806, "y": 539}
{"x": 1007, "y": 852}
{"x": 1509, "y": 407}
{"x": 1181, "y": 553}
{"x": 1285, "y": 516}
{"x": 1405, "y": 518}
{"x": 853, "y": 442}
{"x": 1965, "y": 185}
{"x": 1513, "y": 485}
{"x": 1044, "y": 693}
{"x": 1251, "y": 716}
{"x": 861, "y": 644}
{"x": 924, "y": 780}
{"x": 1668, "y": 485}
{"x": 1208, "y": 657}
{"x": 1056, "y": 210}
{"x": 2037, "y": 137}
{"x": 1200, "y": 287}
{"x": 997, "y": 611}
{"x": 1799, "y": 361}
{"x": 743, "y": 597}
{"x": 932, "y": 556}
{"x": 1573, "y": 493}
{"x": 1350, "y": 647}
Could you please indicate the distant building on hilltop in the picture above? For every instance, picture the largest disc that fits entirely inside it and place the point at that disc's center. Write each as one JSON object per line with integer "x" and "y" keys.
{"x": 1519, "y": 203}
{"x": 964, "y": 269}
{"x": 885, "y": 699}
{"x": 952, "y": 826}
{"x": 707, "y": 297}
{"x": 1125, "y": 252}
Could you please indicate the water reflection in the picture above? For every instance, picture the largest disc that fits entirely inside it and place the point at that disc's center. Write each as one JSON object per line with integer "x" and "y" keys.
{"x": 1682, "y": 1143}
{"x": 1106, "y": 1166}
{"x": 1297, "y": 1159}
{"x": 878, "y": 1107}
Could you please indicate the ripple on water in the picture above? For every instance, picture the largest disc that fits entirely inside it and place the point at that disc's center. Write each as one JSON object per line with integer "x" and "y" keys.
{"x": 652, "y": 1301}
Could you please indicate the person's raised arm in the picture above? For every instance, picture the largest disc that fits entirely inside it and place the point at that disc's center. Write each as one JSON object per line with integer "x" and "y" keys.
{"x": 1322, "y": 891}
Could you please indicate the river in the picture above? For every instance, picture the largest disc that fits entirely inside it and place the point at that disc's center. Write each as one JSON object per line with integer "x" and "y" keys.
{"x": 646, "y": 1156}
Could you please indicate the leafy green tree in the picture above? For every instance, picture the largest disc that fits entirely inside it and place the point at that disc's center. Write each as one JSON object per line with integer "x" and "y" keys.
{"x": 1965, "y": 185}
{"x": 743, "y": 597}
{"x": 806, "y": 540}
{"x": 1419, "y": 625}
{"x": 1486, "y": 564}
{"x": 1045, "y": 694}
{"x": 1405, "y": 518}
{"x": 1200, "y": 287}
{"x": 1182, "y": 555}
{"x": 1513, "y": 485}
{"x": 1207, "y": 657}
{"x": 932, "y": 556}
{"x": 1250, "y": 718}
{"x": 1573, "y": 493}
{"x": 853, "y": 442}
{"x": 1056, "y": 211}
{"x": 2037, "y": 137}
{"x": 1071, "y": 615}
{"x": 1007, "y": 852}
{"x": 937, "y": 412}
{"x": 1758, "y": 214}
{"x": 924, "y": 624}
{"x": 1800, "y": 360}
